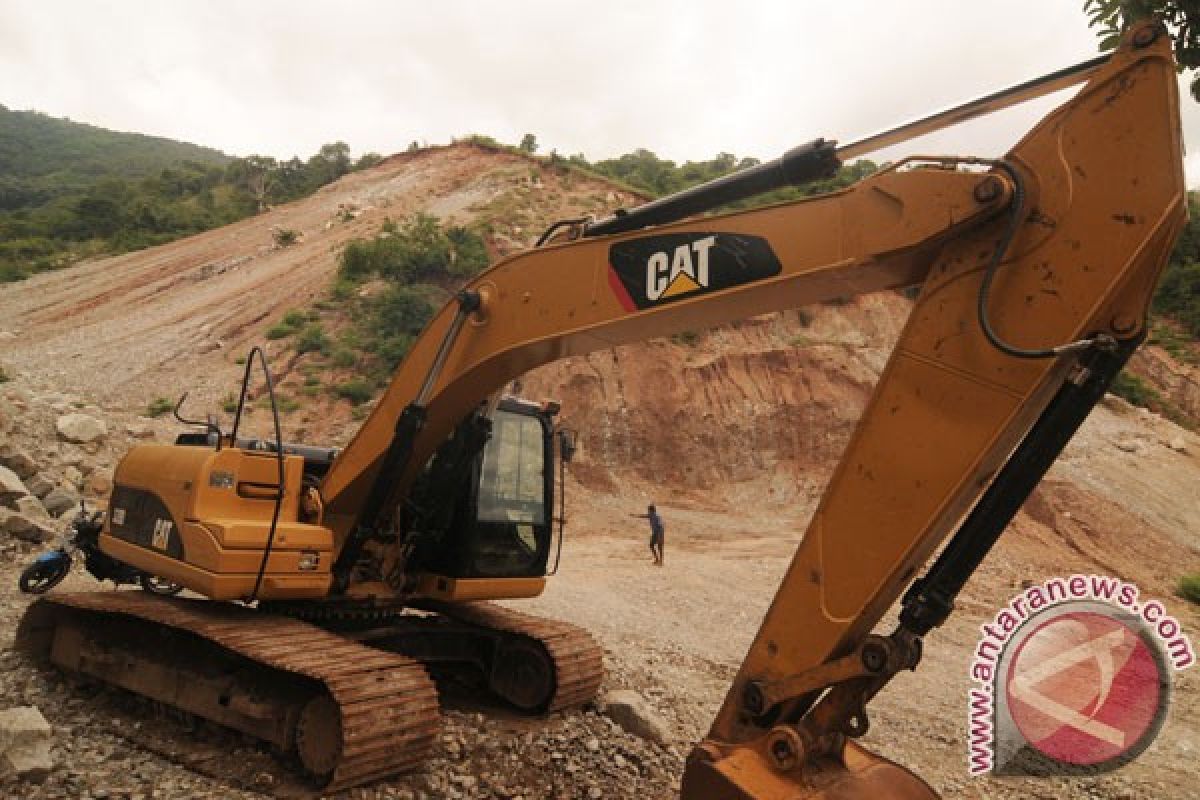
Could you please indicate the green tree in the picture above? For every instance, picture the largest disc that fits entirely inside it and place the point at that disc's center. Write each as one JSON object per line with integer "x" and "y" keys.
{"x": 528, "y": 144}
{"x": 468, "y": 253}
{"x": 367, "y": 160}
{"x": 1182, "y": 18}
{"x": 331, "y": 162}
{"x": 256, "y": 175}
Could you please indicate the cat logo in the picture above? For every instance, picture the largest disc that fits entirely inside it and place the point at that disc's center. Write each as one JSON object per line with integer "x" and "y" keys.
{"x": 654, "y": 270}
{"x": 683, "y": 272}
{"x": 162, "y": 533}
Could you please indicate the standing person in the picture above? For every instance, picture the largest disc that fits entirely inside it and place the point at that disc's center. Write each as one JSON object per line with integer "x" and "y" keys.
{"x": 656, "y": 532}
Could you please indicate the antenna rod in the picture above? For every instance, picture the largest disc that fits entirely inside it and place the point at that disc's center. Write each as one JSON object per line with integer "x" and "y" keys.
{"x": 1004, "y": 98}
{"x": 821, "y": 158}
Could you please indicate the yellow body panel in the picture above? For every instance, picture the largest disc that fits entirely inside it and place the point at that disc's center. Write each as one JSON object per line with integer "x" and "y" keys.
{"x": 220, "y": 504}
{"x": 439, "y": 587}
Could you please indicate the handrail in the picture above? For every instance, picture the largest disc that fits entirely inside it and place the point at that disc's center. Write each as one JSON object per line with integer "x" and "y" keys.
{"x": 237, "y": 420}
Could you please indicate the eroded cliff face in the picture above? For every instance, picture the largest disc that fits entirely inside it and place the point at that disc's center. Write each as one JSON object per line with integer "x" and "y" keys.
{"x": 761, "y": 408}
{"x": 1178, "y": 383}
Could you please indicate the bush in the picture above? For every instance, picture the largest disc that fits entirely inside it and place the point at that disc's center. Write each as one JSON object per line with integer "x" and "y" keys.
{"x": 417, "y": 250}
{"x": 393, "y": 349}
{"x": 292, "y": 322}
{"x": 342, "y": 290}
{"x": 229, "y": 403}
{"x": 312, "y": 339}
{"x": 158, "y": 407}
{"x": 1189, "y": 588}
{"x": 280, "y": 331}
{"x": 295, "y": 318}
{"x": 285, "y": 237}
{"x": 4, "y": 376}
{"x": 400, "y": 310}
{"x": 357, "y": 262}
{"x": 343, "y": 358}
{"x": 357, "y": 391}
{"x": 285, "y": 404}
{"x": 398, "y": 314}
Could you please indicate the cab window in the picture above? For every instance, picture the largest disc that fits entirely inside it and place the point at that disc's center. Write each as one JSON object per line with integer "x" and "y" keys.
{"x": 512, "y": 483}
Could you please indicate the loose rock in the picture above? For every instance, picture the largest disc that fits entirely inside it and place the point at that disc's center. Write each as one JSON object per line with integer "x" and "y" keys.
{"x": 25, "y": 743}
{"x": 31, "y": 507}
{"x": 24, "y": 526}
{"x": 11, "y": 487}
{"x": 140, "y": 430}
{"x": 630, "y": 710}
{"x": 72, "y": 477}
{"x": 80, "y": 428}
{"x": 59, "y": 501}
{"x": 39, "y": 486}
{"x": 18, "y": 461}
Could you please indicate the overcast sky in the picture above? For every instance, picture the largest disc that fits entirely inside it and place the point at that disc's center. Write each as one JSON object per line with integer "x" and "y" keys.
{"x": 685, "y": 79}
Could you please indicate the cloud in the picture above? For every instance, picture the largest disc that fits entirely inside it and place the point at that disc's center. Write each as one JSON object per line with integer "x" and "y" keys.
{"x": 685, "y": 79}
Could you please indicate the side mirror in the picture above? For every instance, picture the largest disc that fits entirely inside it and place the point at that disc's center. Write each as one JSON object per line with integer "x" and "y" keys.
{"x": 566, "y": 444}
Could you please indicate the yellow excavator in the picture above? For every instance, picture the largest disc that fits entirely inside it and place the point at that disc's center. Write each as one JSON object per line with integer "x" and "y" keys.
{"x": 337, "y": 581}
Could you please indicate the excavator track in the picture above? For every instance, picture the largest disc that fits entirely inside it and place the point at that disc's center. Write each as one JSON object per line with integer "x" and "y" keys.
{"x": 349, "y": 712}
{"x": 538, "y": 665}
{"x": 576, "y": 661}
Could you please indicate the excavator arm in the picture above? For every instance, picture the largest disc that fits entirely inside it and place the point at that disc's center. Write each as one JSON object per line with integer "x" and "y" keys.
{"x": 1035, "y": 275}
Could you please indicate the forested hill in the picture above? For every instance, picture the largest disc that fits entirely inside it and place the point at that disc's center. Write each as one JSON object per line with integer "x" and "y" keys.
{"x": 70, "y": 191}
{"x": 42, "y": 157}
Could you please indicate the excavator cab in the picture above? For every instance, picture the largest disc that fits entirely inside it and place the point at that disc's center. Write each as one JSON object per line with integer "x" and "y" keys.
{"x": 491, "y": 488}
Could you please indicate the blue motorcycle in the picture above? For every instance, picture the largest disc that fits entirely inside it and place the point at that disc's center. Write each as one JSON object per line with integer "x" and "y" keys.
{"x": 50, "y": 568}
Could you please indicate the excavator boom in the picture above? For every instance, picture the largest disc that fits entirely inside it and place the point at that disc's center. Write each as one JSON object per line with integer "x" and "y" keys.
{"x": 1035, "y": 277}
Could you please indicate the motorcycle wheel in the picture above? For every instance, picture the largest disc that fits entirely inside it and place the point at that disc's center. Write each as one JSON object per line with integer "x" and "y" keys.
{"x": 156, "y": 585}
{"x": 42, "y": 576}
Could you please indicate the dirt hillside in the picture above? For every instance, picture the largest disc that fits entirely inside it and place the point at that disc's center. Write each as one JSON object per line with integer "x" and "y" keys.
{"x": 732, "y": 432}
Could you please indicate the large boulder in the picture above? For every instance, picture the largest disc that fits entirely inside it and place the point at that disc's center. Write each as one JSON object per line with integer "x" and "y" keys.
{"x": 25, "y": 743}
{"x": 11, "y": 488}
{"x": 80, "y": 428}
{"x": 631, "y": 711}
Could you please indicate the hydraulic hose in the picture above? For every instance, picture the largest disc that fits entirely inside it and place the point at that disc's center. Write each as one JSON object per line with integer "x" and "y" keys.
{"x": 989, "y": 274}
